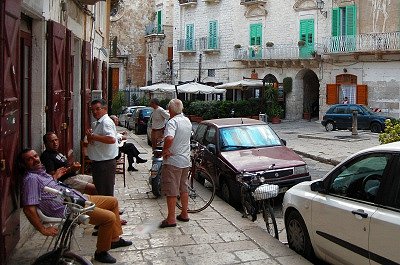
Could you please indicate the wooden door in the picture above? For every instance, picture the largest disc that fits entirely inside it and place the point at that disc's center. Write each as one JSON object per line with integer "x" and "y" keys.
{"x": 10, "y": 127}
{"x": 86, "y": 84}
{"x": 69, "y": 91}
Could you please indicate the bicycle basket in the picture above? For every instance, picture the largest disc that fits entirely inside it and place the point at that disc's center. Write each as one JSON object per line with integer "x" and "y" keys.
{"x": 265, "y": 191}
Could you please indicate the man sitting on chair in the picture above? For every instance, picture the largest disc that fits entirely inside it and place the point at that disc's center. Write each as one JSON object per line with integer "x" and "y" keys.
{"x": 127, "y": 148}
{"x": 53, "y": 160}
{"x": 33, "y": 196}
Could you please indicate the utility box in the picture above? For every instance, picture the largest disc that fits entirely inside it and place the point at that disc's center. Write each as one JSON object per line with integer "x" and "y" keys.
{"x": 262, "y": 117}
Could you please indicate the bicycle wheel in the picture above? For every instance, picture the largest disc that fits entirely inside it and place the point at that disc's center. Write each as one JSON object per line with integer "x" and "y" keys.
{"x": 200, "y": 196}
{"x": 54, "y": 258}
{"x": 247, "y": 204}
{"x": 269, "y": 218}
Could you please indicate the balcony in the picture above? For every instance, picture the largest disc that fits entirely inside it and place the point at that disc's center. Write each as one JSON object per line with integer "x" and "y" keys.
{"x": 210, "y": 45}
{"x": 373, "y": 43}
{"x": 186, "y": 46}
{"x": 187, "y": 2}
{"x": 280, "y": 55}
{"x": 252, "y": 2}
{"x": 154, "y": 30}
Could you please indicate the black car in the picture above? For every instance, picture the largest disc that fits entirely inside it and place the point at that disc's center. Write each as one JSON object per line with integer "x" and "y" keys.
{"x": 340, "y": 116}
{"x": 138, "y": 121}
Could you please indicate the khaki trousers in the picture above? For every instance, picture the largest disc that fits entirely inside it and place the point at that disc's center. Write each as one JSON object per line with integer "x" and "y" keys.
{"x": 106, "y": 216}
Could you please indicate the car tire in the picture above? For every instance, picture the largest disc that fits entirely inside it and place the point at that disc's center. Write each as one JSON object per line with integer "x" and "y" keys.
{"x": 137, "y": 129}
{"x": 330, "y": 126}
{"x": 297, "y": 235}
{"x": 376, "y": 127}
{"x": 225, "y": 190}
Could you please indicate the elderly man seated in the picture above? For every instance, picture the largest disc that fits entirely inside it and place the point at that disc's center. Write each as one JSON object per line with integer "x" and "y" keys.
{"x": 105, "y": 215}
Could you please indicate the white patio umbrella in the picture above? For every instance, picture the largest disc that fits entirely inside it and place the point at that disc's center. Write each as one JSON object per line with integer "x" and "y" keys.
{"x": 197, "y": 88}
{"x": 241, "y": 84}
{"x": 161, "y": 87}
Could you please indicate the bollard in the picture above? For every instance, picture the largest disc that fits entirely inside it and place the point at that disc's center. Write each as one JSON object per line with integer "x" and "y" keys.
{"x": 354, "y": 124}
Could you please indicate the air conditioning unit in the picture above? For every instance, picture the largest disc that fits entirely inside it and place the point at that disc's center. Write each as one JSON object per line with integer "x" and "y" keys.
{"x": 97, "y": 94}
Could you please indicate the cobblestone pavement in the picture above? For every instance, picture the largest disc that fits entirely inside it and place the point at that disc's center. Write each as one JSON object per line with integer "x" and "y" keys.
{"x": 218, "y": 235}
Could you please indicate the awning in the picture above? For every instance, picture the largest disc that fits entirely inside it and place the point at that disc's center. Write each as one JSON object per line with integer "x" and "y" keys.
{"x": 161, "y": 87}
{"x": 197, "y": 88}
{"x": 241, "y": 84}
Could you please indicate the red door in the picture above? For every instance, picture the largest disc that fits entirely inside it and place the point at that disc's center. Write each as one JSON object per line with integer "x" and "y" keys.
{"x": 10, "y": 11}
{"x": 56, "y": 82}
{"x": 86, "y": 82}
{"x": 69, "y": 106}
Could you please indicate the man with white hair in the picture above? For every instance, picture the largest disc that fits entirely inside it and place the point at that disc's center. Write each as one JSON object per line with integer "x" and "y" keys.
{"x": 176, "y": 163}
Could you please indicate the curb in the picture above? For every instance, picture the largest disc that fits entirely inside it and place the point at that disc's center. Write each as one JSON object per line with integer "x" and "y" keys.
{"x": 317, "y": 158}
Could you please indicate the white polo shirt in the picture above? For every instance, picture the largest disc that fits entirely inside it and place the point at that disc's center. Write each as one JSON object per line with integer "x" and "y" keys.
{"x": 98, "y": 151}
{"x": 158, "y": 118}
{"x": 180, "y": 128}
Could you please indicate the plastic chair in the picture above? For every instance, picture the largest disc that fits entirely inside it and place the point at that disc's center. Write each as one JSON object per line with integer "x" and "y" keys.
{"x": 51, "y": 221}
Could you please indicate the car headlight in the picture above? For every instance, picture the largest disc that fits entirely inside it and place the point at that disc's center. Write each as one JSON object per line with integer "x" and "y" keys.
{"x": 300, "y": 170}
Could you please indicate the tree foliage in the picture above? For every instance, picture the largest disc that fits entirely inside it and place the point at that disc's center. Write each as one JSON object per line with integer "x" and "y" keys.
{"x": 391, "y": 132}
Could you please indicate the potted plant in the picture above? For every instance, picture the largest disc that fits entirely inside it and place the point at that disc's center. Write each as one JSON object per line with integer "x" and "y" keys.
{"x": 269, "y": 44}
{"x": 237, "y": 46}
{"x": 307, "y": 113}
{"x": 276, "y": 112}
{"x": 301, "y": 43}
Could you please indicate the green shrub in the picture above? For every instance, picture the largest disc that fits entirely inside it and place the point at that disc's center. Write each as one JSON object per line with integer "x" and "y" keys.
{"x": 117, "y": 103}
{"x": 391, "y": 132}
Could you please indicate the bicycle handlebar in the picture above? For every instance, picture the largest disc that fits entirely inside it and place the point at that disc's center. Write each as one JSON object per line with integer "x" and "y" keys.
{"x": 72, "y": 202}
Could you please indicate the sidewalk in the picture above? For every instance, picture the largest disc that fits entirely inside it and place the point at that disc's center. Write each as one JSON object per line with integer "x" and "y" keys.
{"x": 218, "y": 235}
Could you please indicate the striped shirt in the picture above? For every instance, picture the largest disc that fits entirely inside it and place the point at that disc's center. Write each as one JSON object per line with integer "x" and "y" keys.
{"x": 33, "y": 194}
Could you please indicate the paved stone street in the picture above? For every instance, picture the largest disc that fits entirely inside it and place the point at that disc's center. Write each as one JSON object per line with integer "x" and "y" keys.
{"x": 218, "y": 235}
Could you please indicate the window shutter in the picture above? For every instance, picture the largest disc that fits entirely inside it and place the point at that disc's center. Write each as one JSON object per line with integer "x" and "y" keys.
{"x": 362, "y": 95}
{"x": 212, "y": 35}
{"x": 332, "y": 94}
{"x": 335, "y": 22}
{"x": 159, "y": 22}
{"x": 351, "y": 20}
{"x": 189, "y": 37}
{"x": 255, "y": 34}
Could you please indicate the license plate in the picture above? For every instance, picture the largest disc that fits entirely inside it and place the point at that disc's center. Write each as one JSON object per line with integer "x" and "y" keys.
{"x": 283, "y": 189}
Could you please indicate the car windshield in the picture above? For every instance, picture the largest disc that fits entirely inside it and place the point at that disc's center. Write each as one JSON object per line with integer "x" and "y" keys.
{"x": 245, "y": 137}
{"x": 367, "y": 110}
{"x": 146, "y": 112}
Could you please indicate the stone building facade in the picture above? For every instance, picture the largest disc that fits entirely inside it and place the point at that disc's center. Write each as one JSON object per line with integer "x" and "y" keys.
{"x": 345, "y": 48}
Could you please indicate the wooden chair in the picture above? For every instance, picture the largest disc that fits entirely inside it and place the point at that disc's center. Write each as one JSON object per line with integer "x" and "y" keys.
{"x": 85, "y": 161}
{"x": 121, "y": 167}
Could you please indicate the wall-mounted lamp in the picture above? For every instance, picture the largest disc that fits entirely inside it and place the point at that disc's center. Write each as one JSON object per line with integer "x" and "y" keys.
{"x": 320, "y": 6}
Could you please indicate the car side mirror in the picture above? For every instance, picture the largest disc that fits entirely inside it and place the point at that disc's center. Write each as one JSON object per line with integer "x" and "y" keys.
{"x": 283, "y": 141}
{"x": 318, "y": 186}
{"x": 212, "y": 148}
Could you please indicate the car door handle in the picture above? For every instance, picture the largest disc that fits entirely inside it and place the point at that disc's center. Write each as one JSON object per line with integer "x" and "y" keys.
{"x": 360, "y": 212}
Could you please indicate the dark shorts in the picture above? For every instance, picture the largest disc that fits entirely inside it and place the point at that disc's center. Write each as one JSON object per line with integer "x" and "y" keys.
{"x": 174, "y": 180}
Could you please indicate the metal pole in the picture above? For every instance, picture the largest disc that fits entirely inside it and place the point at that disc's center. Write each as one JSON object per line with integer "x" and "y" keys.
{"x": 200, "y": 58}
{"x": 354, "y": 124}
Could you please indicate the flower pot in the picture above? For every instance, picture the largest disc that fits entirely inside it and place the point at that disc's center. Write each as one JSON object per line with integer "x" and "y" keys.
{"x": 275, "y": 120}
{"x": 307, "y": 116}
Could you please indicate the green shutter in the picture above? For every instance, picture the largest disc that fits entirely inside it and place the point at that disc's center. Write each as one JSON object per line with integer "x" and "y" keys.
{"x": 307, "y": 35}
{"x": 159, "y": 22}
{"x": 189, "y": 37}
{"x": 212, "y": 35}
{"x": 255, "y": 39}
{"x": 351, "y": 20}
{"x": 335, "y": 22}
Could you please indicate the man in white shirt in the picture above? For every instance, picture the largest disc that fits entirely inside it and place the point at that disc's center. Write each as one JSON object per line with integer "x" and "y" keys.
{"x": 102, "y": 148}
{"x": 158, "y": 119}
{"x": 176, "y": 163}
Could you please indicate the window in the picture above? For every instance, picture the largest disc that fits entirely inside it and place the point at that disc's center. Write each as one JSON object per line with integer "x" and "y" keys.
{"x": 211, "y": 72}
{"x": 360, "y": 178}
{"x": 210, "y": 136}
{"x": 189, "y": 37}
{"x": 344, "y": 27}
{"x": 212, "y": 35}
{"x": 340, "y": 110}
{"x": 201, "y": 130}
{"x": 159, "y": 22}
{"x": 255, "y": 40}
{"x": 346, "y": 86}
{"x": 307, "y": 35}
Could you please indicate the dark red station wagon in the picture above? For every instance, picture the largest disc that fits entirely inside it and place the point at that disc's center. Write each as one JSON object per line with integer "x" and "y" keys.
{"x": 239, "y": 145}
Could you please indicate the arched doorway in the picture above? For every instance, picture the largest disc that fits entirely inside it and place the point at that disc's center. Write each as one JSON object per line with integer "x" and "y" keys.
{"x": 305, "y": 95}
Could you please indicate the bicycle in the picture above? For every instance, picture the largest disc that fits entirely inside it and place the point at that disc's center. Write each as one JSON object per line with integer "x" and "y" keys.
{"x": 75, "y": 214}
{"x": 256, "y": 197}
{"x": 155, "y": 172}
{"x": 200, "y": 184}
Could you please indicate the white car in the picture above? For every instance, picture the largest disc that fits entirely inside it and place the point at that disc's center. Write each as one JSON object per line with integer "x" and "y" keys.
{"x": 352, "y": 215}
{"x": 126, "y": 113}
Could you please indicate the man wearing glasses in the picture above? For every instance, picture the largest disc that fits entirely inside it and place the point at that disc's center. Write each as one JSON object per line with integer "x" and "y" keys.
{"x": 102, "y": 148}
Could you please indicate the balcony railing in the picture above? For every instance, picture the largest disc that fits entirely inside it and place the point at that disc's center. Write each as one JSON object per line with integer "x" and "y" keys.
{"x": 154, "y": 29}
{"x": 186, "y": 46}
{"x": 369, "y": 43}
{"x": 187, "y": 2}
{"x": 252, "y": 2}
{"x": 208, "y": 44}
{"x": 277, "y": 52}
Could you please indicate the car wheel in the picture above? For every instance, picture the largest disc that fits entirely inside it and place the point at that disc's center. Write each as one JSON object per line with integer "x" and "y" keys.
{"x": 297, "y": 235}
{"x": 225, "y": 191}
{"x": 376, "y": 127}
{"x": 329, "y": 126}
{"x": 136, "y": 129}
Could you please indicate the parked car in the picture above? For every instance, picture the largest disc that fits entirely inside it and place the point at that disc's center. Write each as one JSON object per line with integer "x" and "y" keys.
{"x": 138, "y": 120}
{"x": 125, "y": 114}
{"x": 352, "y": 215}
{"x": 240, "y": 144}
{"x": 340, "y": 116}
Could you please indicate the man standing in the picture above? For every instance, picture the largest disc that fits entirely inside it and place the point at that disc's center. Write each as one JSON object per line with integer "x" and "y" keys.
{"x": 128, "y": 148}
{"x": 53, "y": 160}
{"x": 176, "y": 163}
{"x": 33, "y": 196}
{"x": 158, "y": 119}
{"x": 102, "y": 148}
